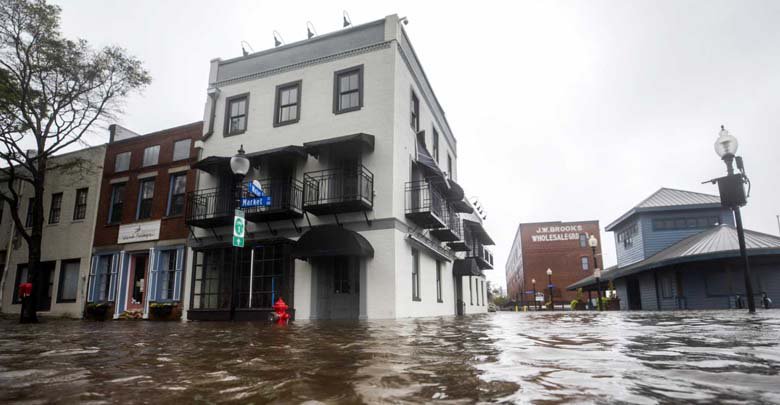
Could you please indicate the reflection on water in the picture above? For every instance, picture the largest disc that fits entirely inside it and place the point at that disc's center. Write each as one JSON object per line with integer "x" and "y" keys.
{"x": 519, "y": 357}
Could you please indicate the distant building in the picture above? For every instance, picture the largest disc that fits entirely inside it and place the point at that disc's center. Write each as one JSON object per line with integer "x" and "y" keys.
{"x": 71, "y": 188}
{"x": 678, "y": 250}
{"x": 560, "y": 246}
{"x": 140, "y": 233}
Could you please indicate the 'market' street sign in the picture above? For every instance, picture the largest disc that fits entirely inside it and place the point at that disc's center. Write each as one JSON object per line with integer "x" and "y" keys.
{"x": 238, "y": 229}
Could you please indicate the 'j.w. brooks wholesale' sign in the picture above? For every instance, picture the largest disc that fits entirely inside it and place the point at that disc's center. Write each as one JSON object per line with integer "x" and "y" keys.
{"x": 557, "y": 233}
{"x": 139, "y": 232}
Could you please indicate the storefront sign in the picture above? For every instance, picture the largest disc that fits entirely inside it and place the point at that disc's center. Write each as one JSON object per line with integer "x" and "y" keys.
{"x": 557, "y": 233}
{"x": 139, "y": 232}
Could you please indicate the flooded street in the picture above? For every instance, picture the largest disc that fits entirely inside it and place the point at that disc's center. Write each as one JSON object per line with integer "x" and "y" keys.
{"x": 515, "y": 357}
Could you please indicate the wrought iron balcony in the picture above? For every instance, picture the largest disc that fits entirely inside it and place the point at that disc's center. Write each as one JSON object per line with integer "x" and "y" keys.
{"x": 425, "y": 205}
{"x": 482, "y": 255}
{"x": 452, "y": 230}
{"x": 286, "y": 200}
{"x": 211, "y": 207}
{"x": 334, "y": 191}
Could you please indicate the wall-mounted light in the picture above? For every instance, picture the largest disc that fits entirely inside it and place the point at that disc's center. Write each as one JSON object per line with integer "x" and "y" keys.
{"x": 347, "y": 20}
{"x": 278, "y": 40}
{"x": 310, "y": 30}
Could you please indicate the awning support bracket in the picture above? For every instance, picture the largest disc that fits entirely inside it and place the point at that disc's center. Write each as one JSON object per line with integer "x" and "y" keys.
{"x": 368, "y": 221}
{"x": 272, "y": 230}
{"x": 297, "y": 228}
{"x": 192, "y": 232}
{"x": 337, "y": 219}
{"x": 213, "y": 232}
{"x": 307, "y": 218}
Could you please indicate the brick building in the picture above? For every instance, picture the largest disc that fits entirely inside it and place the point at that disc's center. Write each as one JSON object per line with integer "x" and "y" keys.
{"x": 559, "y": 246}
{"x": 140, "y": 232}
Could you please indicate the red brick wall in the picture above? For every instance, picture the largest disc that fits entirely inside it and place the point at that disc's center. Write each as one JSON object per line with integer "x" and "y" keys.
{"x": 542, "y": 248}
{"x": 171, "y": 227}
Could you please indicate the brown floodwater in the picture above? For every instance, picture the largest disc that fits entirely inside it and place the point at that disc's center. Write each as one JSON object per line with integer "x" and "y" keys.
{"x": 669, "y": 357}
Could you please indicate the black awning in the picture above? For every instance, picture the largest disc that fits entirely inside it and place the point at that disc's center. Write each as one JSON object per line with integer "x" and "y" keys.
{"x": 465, "y": 267}
{"x": 463, "y": 207}
{"x": 212, "y": 164}
{"x": 359, "y": 139}
{"x": 284, "y": 152}
{"x": 479, "y": 231}
{"x": 424, "y": 159}
{"x": 331, "y": 240}
{"x": 454, "y": 191}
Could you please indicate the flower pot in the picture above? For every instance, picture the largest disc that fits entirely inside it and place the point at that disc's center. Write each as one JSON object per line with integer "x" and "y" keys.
{"x": 161, "y": 313}
{"x": 97, "y": 312}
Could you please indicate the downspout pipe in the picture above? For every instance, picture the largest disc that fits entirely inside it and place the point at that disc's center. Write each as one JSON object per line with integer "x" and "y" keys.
{"x": 213, "y": 93}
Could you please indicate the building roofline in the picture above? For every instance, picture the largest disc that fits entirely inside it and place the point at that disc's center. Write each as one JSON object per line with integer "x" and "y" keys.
{"x": 638, "y": 207}
{"x": 157, "y": 133}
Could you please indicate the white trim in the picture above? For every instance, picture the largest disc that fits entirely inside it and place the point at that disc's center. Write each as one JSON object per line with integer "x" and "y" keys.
{"x": 150, "y": 284}
{"x": 178, "y": 169}
{"x": 119, "y": 180}
{"x": 147, "y": 175}
{"x": 251, "y": 274}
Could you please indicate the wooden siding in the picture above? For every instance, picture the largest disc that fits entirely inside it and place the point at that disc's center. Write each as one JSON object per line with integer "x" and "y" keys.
{"x": 656, "y": 241}
{"x": 633, "y": 254}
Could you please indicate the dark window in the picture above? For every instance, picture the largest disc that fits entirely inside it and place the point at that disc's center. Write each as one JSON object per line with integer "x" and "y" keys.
{"x": 438, "y": 281}
{"x": 415, "y": 113}
{"x": 2, "y": 206}
{"x": 103, "y": 275}
{"x": 69, "y": 280}
{"x": 181, "y": 149}
{"x": 80, "y": 208}
{"x": 666, "y": 286}
{"x": 288, "y": 104}
{"x": 626, "y": 236}
{"x": 674, "y": 224}
{"x": 583, "y": 240}
{"x": 585, "y": 263}
{"x": 151, "y": 155}
{"x": 415, "y": 275}
{"x": 435, "y": 145}
{"x": 117, "y": 203}
{"x": 449, "y": 166}
{"x": 55, "y": 208}
{"x": 176, "y": 194}
{"x": 211, "y": 284}
{"x": 145, "y": 198}
{"x": 122, "y": 162}
{"x": 236, "y": 114}
{"x": 167, "y": 274}
{"x": 348, "y": 90}
{"x": 28, "y": 222}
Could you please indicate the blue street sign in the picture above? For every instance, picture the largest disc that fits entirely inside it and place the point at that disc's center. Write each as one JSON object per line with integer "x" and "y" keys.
{"x": 529, "y": 292}
{"x": 550, "y": 285}
{"x": 256, "y": 202}
{"x": 254, "y": 189}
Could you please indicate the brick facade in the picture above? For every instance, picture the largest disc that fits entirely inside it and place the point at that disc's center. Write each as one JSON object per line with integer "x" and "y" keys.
{"x": 553, "y": 245}
{"x": 171, "y": 227}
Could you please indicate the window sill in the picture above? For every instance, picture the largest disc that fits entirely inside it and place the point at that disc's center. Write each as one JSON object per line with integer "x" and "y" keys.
{"x": 440, "y": 301}
{"x": 281, "y": 124}
{"x": 52, "y": 225}
{"x": 347, "y": 110}
{"x": 66, "y": 301}
{"x": 417, "y": 299}
{"x": 77, "y": 221}
{"x": 167, "y": 217}
{"x": 229, "y": 134}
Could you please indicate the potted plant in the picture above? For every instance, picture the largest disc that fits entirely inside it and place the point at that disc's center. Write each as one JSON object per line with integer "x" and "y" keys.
{"x": 161, "y": 310}
{"x": 97, "y": 311}
{"x": 578, "y": 304}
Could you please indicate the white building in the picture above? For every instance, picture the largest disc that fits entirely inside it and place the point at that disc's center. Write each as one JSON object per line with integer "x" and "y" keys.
{"x": 72, "y": 188}
{"x": 346, "y": 136}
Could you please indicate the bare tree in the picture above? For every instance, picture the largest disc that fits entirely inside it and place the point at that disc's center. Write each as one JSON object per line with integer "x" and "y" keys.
{"x": 52, "y": 91}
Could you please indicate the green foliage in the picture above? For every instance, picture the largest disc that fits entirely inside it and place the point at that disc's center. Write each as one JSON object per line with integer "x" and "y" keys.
{"x": 573, "y": 304}
{"x": 162, "y": 305}
{"x": 500, "y": 301}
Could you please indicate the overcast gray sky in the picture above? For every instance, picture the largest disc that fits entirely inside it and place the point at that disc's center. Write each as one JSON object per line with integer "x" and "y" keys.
{"x": 570, "y": 110}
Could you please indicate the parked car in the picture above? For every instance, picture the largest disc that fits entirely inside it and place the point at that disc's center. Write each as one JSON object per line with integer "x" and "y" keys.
{"x": 492, "y": 307}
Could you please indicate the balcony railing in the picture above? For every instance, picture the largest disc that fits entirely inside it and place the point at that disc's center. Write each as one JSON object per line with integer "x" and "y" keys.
{"x": 452, "y": 230}
{"x": 335, "y": 191}
{"x": 482, "y": 255}
{"x": 425, "y": 205}
{"x": 210, "y": 207}
{"x": 286, "y": 200}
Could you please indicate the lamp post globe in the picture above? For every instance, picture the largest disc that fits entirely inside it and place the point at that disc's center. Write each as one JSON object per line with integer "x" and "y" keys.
{"x": 533, "y": 283}
{"x": 550, "y": 286}
{"x": 726, "y": 145}
{"x": 592, "y": 241}
{"x": 239, "y": 164}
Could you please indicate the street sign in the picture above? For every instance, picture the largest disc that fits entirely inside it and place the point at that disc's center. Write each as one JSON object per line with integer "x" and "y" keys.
{"x": 256, "y": 189}
{"x": 264, "y": 201}
{"x": 539, "y": 297}
{"x": 239, "y": 226}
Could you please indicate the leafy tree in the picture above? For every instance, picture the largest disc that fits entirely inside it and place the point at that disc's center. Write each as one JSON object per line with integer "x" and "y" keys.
{"x": 52, "y": 91}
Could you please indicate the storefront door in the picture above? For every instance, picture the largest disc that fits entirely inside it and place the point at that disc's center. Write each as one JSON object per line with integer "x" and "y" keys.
{"x": 138, "y": 281}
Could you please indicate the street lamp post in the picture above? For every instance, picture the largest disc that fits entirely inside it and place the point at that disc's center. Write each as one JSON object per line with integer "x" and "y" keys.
{"x": 550, "y": 285}
{"x": 239, "y": 165}
{"x": 594, "y": 243}
{"x": 533, "y": 282}
{"x": 726, "y": 147}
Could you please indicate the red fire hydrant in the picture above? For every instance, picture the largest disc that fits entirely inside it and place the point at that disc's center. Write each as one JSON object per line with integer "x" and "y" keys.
{"x": 25, "y": 290}
{"x": 280, "y": 312}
